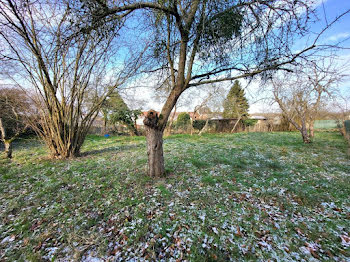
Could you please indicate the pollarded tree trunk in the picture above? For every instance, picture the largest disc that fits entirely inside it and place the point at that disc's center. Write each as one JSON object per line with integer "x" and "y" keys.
{"x": 154, "y": 138}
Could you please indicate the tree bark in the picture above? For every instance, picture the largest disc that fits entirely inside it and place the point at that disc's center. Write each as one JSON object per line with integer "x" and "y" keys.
{"x": 305, "y": 135}
{"x": 133, "y": 130}
{"x": 168, "y": 130}
{"x": 8, "y": 148}
{"x": 154, "y": 139}
{"x": 191, "y": 126}
{"x": 205, "y": 128}
{"x": 311, "y": 128}
{"x": 234, "y": 127}
{"x": 7, "y": 142}
{"x": 70, "y": 148}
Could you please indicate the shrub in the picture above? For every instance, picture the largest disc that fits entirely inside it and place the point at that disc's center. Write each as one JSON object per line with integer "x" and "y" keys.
{"x": 183, "y": 120}
{"x": 249, "y": 122}
{"x": 198, "y": 124}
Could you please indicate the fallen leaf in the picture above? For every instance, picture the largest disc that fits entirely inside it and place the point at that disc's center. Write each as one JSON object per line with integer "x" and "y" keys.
{"x": 12, "y": 238}
{"x": 26, "y": 241}
{"x": 299, "y": 231}
{"x": 345, "y": 240}
{"x": 238, "y": 233}
{"x": 314, "y": 254}
{"x": 329, "y": 253}
{"x": 337, "y": 209}
{"x": 243, "y": 196}
{"x": 38, "y": 246}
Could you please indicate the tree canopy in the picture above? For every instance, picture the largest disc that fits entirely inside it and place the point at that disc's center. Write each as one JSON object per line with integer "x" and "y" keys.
{"x": 201, "y": 42}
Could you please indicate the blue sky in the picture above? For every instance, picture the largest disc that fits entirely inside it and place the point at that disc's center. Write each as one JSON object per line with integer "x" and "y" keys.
{"x": 339, "y": 32}
{"x": 328, "y": 11}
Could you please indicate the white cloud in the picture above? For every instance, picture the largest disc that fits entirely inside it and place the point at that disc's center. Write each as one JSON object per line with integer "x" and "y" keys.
{"x": 338, "y": 36}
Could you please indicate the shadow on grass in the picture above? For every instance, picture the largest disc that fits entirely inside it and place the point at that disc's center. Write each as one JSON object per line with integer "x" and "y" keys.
{"x": 23, "y": 143}
{"x": 113, "y": 149}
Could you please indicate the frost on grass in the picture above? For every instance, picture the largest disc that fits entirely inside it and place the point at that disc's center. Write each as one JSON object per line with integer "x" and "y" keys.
{"x": 226, "y": 197}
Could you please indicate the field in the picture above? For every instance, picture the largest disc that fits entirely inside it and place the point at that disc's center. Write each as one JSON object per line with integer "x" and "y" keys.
{"x": 244, "y": 196}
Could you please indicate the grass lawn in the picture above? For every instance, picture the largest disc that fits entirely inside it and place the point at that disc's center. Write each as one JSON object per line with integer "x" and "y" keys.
{"x": 245, "y": 196}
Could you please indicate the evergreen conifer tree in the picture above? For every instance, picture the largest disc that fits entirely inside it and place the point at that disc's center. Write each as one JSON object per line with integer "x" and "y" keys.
{"x": 236, "y": 104}
{"x": 115, "y": 110}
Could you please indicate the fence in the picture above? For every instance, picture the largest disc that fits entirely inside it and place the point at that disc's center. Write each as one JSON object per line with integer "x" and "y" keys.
{"x": 226, "y": 126}
{"x": 347, "y": 127}
{"x": 326, "y": 124}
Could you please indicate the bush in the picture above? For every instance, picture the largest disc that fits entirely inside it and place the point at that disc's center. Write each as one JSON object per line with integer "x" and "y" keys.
{"x": 198, "y": 124}
{"x": 183, "y": 120}
{"x": 249, "y": 122}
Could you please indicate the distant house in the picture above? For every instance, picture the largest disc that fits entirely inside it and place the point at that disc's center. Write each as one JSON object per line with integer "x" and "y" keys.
{"x": 197, "y": 116}
{"x": 258, "y": 117}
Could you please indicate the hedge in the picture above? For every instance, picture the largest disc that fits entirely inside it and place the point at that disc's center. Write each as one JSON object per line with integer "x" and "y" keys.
{"x": 347, "y": 126}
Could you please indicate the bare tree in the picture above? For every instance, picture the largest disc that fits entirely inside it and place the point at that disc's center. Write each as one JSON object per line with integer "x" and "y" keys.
{"x": 15, "y": 108}
{"x": 203, "y": 42}
{"x": 67, "y": 70}
{"x": 301, "y": 94}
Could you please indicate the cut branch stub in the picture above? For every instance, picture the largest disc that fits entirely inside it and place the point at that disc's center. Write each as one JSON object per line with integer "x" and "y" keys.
{"x": 151, "y": 119}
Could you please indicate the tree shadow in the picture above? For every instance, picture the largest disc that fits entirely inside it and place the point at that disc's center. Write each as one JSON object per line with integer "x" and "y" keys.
{"x": 23, "y": 143}
{"x": 113, "y": 149}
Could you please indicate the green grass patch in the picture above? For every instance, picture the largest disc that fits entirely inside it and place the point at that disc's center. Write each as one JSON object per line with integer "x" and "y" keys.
{"x": 241, "y": 197}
